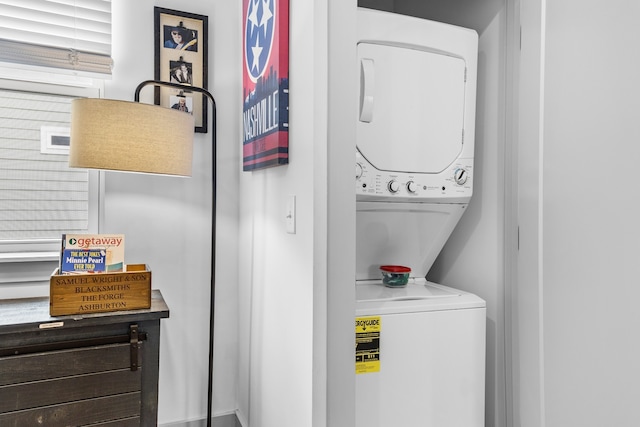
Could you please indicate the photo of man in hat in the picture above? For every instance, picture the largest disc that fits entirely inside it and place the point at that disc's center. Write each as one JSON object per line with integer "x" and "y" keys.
{"x": 181, "y": 103}
{"x": 180, "y": 38}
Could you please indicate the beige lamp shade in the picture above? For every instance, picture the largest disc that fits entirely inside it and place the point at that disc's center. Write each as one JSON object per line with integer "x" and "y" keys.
{"x": 130, "y": 136}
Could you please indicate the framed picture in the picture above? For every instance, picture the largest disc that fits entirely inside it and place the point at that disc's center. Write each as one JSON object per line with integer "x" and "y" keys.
{"x": 265, "y": 84}
{"x": 181, "y": 57}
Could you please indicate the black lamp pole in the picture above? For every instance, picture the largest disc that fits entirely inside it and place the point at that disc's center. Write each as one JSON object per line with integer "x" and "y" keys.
{"x": 213, "y": 224}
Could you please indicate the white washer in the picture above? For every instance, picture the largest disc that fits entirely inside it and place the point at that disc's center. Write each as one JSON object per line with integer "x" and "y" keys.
{"x": 432, "y": 356}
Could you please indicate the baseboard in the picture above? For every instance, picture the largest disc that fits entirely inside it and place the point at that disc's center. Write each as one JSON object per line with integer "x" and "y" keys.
{"x": 229, "y": 420}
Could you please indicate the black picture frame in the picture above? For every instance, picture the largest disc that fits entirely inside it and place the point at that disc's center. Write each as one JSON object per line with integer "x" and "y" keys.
{"x": 181, "y": 56}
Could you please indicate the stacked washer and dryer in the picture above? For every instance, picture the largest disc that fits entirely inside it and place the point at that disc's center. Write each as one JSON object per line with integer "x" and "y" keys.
{"x": 414, "y": 180}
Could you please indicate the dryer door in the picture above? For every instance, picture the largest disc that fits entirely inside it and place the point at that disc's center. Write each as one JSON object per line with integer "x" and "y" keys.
{"x": 411, "y": 108}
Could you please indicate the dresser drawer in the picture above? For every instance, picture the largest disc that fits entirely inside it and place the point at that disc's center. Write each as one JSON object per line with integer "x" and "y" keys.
{"x": 97, "y": 371}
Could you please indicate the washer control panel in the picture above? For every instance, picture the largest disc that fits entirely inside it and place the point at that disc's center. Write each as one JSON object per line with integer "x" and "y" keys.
{"x": 452, "y": 184}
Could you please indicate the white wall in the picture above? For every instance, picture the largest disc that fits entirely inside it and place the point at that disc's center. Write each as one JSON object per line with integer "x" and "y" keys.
{"x": 591, "y": 224}
{"x": 167, "y": 220}
{"x": 340, "y": 216}
{"x": 296, "y": 349}
{"x": 277, "y": 268}
{"x": 528, "y": 363}
{"x": 588, "y": 224}
{"x": 276, "y": 273}
{"x": 473, "y": 258}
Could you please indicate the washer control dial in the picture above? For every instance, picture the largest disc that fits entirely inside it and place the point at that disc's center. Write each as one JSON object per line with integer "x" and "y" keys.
{"x": 412, "y": 187}
{"x": 358, "y": 170}
{"x": 393, "y": 186}
{"x": 460, "y": 176}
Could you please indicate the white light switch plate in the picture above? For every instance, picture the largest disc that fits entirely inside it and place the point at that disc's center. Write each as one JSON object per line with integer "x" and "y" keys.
{"x": 290, "y": 218}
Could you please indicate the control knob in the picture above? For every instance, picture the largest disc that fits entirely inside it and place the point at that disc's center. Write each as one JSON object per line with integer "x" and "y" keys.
{"x": 412, "y": 187}
{"x": 460, "y": 176}
{"x": 358, "y": 170}
{"x": 393, "y": 186}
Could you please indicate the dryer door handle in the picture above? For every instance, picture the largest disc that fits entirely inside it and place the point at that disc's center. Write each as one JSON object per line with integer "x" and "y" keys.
{"x": 367, "y": 89}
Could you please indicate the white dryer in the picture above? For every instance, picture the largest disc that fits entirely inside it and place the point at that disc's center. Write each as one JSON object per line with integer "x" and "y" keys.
{"x": 422, "y": 364}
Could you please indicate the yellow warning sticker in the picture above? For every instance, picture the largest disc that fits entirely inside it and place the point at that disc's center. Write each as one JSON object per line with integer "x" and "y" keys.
{"x": 368, "y": 344}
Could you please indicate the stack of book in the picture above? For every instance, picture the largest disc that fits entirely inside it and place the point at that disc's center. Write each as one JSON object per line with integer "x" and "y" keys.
{"x": 91, "y": 253}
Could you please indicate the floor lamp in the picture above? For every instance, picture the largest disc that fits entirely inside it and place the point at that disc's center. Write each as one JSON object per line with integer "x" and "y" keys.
{"x": 136, "y": 137}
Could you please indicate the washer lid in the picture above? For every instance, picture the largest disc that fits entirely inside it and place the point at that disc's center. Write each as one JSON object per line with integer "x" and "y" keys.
{"x": 412, "y": 105}
{"x": 373, "y": 298}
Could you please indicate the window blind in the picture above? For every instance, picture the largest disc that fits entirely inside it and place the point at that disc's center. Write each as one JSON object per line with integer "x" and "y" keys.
{"x": 40, "y": 196}
{"x": 68, "y": 34}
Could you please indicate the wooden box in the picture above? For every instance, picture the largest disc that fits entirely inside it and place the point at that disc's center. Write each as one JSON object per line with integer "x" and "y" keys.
{"x": 100, "y": 292}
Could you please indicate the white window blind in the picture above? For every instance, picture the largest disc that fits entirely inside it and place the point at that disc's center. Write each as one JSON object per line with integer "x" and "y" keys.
{"x": 40, "y": 196}
{"x": 68, "y": 34}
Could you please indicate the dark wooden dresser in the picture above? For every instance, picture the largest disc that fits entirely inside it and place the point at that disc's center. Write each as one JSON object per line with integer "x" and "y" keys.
{"x": 94, "y": 369}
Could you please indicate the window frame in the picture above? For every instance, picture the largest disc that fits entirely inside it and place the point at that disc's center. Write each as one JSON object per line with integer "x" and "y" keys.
{"x": 39, "y": 250}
